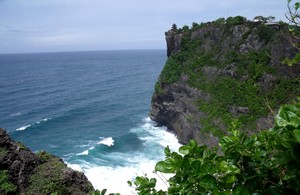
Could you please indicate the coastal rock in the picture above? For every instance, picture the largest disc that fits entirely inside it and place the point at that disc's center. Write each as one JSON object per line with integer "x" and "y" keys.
{"x": 28, "y": 173}
{"x": 246, "y": 55}
{"x": 176, "y": 109}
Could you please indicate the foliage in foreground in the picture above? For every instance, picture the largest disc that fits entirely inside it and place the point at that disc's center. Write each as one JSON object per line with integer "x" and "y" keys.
{"x": 264, "y": 163}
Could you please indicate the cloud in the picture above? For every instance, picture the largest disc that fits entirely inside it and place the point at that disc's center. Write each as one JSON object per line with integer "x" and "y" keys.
{"x": 56, "y": 40}
{"x": 20, "y": 30}
{"x": 100, "y": 22}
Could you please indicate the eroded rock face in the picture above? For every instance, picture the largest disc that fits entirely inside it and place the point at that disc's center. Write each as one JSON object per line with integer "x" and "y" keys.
{"x": 176, "y": 109}
{"x": 30, "y": 172}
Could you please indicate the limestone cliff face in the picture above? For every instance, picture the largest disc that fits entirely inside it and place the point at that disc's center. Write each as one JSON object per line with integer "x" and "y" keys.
{"x": 220, "y": 72}
{"x": 23, "y": 172}
{"x": 176, "y": 109}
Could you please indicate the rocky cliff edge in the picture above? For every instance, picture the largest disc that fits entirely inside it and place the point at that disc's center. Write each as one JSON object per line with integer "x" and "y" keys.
{"x": 24, "y": 172}
{"x": 223, "y": 73}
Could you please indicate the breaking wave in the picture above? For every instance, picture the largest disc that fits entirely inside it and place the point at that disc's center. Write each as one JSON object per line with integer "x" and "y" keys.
{"x": 22, "y": 128}
{"x": 102, "y": 170}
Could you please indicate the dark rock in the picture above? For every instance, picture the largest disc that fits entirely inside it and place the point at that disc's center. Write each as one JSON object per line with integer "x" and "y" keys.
{"x": 212, "y": 72}
{"x": 175, "y": 109}
{"x": 30, "y": 172}
{"x": 173, "y": 42}
{"x": 236, "y": 110}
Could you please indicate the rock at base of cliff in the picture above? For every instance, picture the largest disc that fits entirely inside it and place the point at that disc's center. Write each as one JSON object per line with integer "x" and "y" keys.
{"x": 24, "y": 172}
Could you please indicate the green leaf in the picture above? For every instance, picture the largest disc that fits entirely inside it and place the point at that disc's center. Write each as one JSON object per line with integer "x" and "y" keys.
{"x": 297, "y": 5}
{"x": 236, "y": 133}
{"x": 241, "y": 190}
{"x": 185, "y": 166}
{"x": 274, "y": 191}
{"x": 152, "y": 182}
{"x": 285, "y": 138}
{"x": 138, "y": 180}
{"x": 196, "y": 166}
{"x": 283, "y": 157}
{"x": 167, "y": 151}
{"x": 229, "y": 168}
{"x": 288, "y": 115}
{"x": 225, "y": 192}
{"x": 226, "y": 140}
{"x": 192, "y": 143}
{"x": 296, "y": 134}
{"x": 208, "y": 182}
{"x": 163, "y": 167}
{"x": 207, "y": 167}
{"x": 103, "y": 191}
{"x": 184, "y": 150}
{"x": 229, "y": 179}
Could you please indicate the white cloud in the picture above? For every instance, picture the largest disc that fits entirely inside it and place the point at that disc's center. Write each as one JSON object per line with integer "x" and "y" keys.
{"x": 56, "y": 40}
{"x": 97, "y": 23}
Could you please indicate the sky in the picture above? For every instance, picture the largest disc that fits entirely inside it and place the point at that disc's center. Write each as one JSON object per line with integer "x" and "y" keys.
{"x": 28, "y": 26}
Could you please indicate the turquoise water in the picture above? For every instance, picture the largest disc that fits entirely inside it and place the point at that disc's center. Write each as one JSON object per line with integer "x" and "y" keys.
{"x": 89, "y": 108}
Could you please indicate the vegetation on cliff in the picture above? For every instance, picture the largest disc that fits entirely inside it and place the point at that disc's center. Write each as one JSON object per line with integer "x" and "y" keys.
{"x": 238, "y": 65}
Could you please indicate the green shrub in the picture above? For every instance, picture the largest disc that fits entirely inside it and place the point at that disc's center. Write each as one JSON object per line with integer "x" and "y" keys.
{"x": 21, "y": 146}
{"x": 3, "y": 152}
{"x": 172, "y": 70}
{"x": 265, "y": 33}
{"x": 157, "y": 88}
{"x": 235, "y": 20}
{"x": 44, "y": 156}
{"x": 48, "y": 176}
{"x": 5, "y": 185}
{"x": 265, "y": 163}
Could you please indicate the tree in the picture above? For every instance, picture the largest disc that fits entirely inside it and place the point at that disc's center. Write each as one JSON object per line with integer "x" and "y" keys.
{"x": 259, "y": 19}
{"x": 174, "y": 27}
{"x": 236, "y": 20}
{"x": 220, "y": 21}
{"x": 185, "y": 28}
{"x": 293, "y": 13}
{"x": 293, "y": 33}
{"x": 270, "y": 18}
{"x": 264, "y": 19}
{"x": 195, "y": 26}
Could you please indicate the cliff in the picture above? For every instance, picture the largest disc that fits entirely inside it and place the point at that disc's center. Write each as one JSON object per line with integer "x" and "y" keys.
{"x": 23, "y": 172}
{"x": 222, "y": 74}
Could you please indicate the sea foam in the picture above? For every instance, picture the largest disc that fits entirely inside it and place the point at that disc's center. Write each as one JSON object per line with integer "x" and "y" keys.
{"x": 36, "y": 123}
{"x": 106, "y": 141}
{"x": 23, "y": 128}
{"x": 137, "y": 163}
{"x": 15, "y": 114}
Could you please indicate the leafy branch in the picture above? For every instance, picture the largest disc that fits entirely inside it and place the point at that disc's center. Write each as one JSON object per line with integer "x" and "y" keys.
{"x": 264, "y": 163}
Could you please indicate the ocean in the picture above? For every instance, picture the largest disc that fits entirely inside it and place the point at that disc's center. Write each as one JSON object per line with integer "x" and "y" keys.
{"x": 90, "y": 109}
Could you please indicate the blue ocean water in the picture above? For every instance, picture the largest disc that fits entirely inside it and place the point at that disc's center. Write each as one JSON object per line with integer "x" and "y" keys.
{"x": 89, "y": 108}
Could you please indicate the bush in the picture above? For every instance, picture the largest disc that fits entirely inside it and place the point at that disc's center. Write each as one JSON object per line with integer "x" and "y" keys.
{"x": 266, "y": 163}
{"x": 235, "y": 20}
{"x": 265, "y": 33}
{"x": 5, "y": 185}
{"x": 3, "y": 152}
